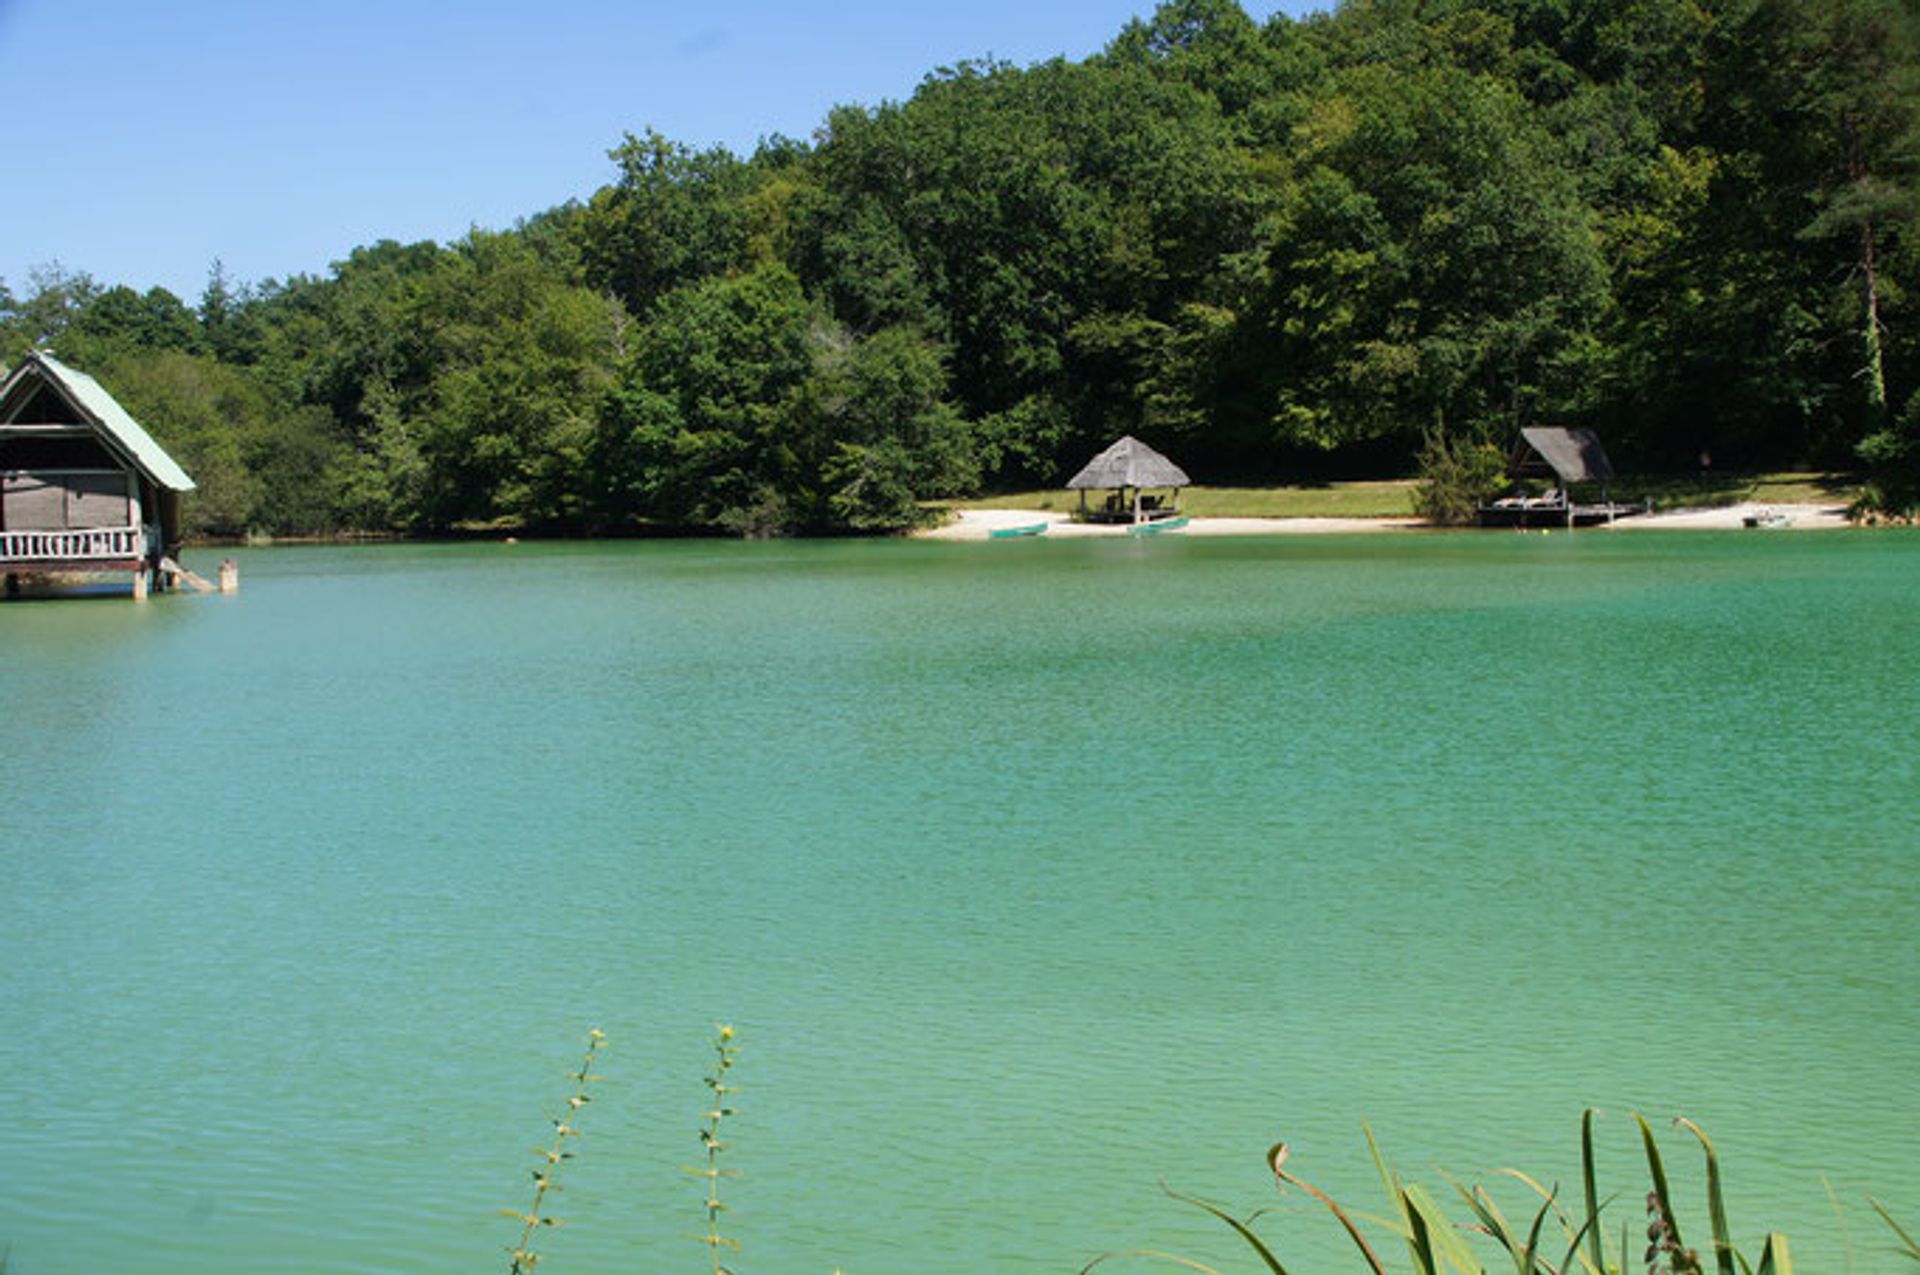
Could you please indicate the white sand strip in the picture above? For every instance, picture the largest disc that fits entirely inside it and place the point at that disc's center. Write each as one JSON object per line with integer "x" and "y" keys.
{"x": 1733, "y": 518}
{"x": 979, "y": 524}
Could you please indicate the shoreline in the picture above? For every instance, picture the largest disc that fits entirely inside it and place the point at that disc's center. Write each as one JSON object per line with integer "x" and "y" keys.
{"x": 979, "y": 524}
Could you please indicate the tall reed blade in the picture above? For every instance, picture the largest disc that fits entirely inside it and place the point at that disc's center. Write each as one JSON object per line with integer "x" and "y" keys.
{"x": 1421, "y": 1242}
{"x": 1446, "y": 1248}
{"x": 1391, "y": 1181}
{"x": 1840, "y": 1219}
{"x": 1533, "y": 1236}
{"x": 1277, "y": 1159}
{"x": 1596, "y": 1245}
{"x": 1663, "y": 1230}
{"x": 1245, "y": 1232}
{"x": 1550, "y": 1200}
{"x": 1908, "y": 1248}
{"x": 1774, "y": 1258}
{"x": 1716, "y": 1202}
{"x": 1492, "y": 1222}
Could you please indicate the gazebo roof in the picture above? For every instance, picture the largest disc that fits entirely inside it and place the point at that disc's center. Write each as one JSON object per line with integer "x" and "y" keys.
{"x": 1574, "y": 455}
{"x": 1129, "y": 463}
{"x": 97, "y": 409}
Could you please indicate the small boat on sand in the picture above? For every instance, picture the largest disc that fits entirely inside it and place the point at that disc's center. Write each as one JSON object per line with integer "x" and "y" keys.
{"x": 1158, "y": 526}
{"x": 1767, "y": 519}
{"x": 1010, "y": 533}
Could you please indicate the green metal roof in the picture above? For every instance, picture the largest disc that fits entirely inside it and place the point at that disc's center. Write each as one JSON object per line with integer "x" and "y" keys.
{"x": 108, "y": 416}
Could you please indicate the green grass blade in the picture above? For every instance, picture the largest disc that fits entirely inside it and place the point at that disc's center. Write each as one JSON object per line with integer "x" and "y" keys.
{"x": 1840, "y": 1216}
{"x": 1492, "y": 1221}
{"x": 1774, "y": 1258}
{"x": 1388, "y": 1178}
{"x": 1419, "y": 1240}
{"x": 1575, "y": 1255}
{"x": 1533, "y": 1237}
{"x": 1444, "y": 1241}
{"x": 1596, "y": 1245}
{"x": 1716, "y": 1201}
{"x": 1586, "y": 1233}
{"x": 1908, "y": 1248}
{"x": 1277, "y": 1154}
{"x": 1245, "y": 1232}
{"x": 1391, "y": 1181}
{"x": 1172, "y": 1258}
{"x": 1662, "y": 1196}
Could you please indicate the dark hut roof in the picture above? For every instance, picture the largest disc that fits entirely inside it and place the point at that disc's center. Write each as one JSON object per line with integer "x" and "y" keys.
{"x": 1129, "y": 463}
{"x": 1575, "y": 455}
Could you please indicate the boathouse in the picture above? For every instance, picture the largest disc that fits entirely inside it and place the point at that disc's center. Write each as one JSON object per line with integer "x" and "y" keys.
{"x": 83, "y": 488}
{"x": 1133, "y": 475}
{"x": 1565, "y": 458}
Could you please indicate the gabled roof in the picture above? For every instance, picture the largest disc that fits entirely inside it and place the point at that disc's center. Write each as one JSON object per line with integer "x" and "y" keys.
{"x": 1129, "y": 463}
{"x": 1575, "y": 455}
{"x": 99, "y": 409}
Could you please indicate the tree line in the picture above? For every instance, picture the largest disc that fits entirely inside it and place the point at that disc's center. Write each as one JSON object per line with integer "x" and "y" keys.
{"x": 1291, "y": 249}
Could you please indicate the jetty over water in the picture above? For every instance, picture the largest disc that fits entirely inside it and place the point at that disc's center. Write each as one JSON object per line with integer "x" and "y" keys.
{"x": 1568, "y": 458}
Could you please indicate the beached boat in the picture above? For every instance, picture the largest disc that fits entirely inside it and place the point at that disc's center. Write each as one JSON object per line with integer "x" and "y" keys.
{"x": 1010, "y": 533}
{"x": 1155, "y": 528}
{"x": 1767, "y": 519}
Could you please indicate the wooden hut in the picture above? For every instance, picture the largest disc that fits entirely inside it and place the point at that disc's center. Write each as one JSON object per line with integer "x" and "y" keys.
{"x": 1128, "y": 471}
{"x": 83, "y": 488}
{"x": 1565, "y": 458}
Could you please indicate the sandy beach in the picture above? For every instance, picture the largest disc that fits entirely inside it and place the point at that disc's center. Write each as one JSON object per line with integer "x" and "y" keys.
{"x": 979, "y": 524}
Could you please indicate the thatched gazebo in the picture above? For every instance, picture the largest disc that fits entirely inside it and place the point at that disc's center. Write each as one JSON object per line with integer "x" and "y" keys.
{"x": 1126, "y": 471}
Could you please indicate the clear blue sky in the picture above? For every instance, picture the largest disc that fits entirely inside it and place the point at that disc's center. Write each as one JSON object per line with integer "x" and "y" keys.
{"x": 147, "y": 138}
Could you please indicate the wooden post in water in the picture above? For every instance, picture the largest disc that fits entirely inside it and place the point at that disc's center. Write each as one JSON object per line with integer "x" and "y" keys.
{"x": 229, "y": 576}
{"x": 140, "y": 584}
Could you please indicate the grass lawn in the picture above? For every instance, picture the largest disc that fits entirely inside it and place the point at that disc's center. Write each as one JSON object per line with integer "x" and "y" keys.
{"x": 1708, "y": 491}
{"x": 1394, "y": 499}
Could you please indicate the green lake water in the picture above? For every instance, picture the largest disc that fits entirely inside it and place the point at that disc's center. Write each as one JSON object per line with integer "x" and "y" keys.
{"x": 1031, "y": 874}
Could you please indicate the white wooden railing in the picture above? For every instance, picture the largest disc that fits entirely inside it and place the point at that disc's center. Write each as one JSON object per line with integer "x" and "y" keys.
{"x": 88, "y": 544}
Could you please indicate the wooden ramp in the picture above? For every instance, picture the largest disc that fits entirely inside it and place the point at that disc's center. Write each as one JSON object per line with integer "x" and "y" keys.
{"x": 169, "y": 567}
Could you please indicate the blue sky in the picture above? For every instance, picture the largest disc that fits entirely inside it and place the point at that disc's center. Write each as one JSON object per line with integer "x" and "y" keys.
{"x": 148, "y": 138}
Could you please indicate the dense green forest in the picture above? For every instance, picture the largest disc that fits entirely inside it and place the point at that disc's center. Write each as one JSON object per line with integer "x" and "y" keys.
{"x": 1297, "y": 249}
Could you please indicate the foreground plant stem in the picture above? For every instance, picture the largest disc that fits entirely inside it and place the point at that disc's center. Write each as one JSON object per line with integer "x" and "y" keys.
{"x": 524, "y": 1258}
{"x": 725, "y": 1051}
